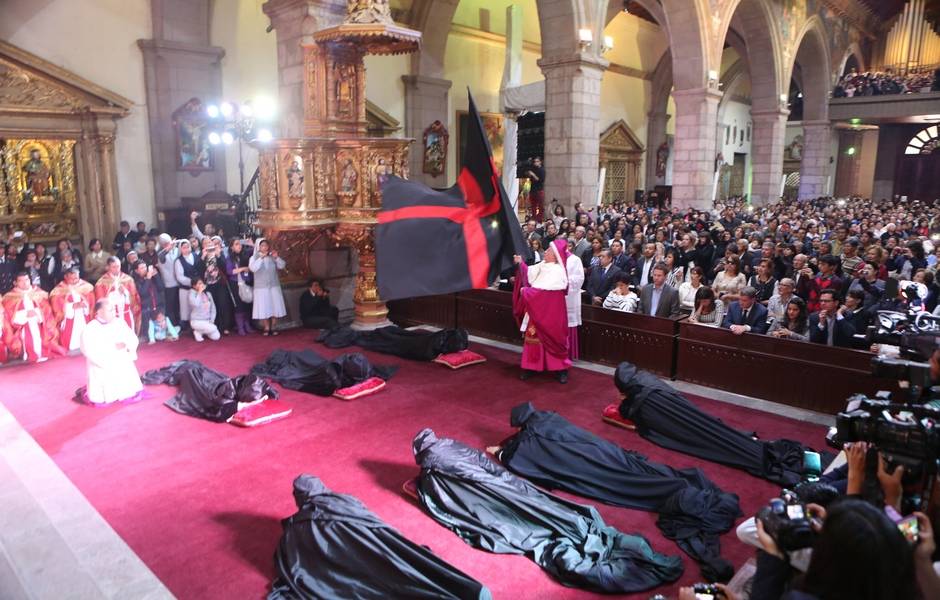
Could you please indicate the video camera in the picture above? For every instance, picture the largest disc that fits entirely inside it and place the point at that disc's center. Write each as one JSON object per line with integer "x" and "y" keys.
{"x": 905, "y": 434}
{"x": 787, "y": 521}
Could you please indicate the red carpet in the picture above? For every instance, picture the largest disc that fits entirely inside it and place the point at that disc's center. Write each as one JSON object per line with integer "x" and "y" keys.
{"x": 201, "y": 502}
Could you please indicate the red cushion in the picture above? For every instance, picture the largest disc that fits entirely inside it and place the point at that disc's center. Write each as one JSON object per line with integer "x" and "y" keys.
{"x": 458, "y": 360}
{"x": 612, "y": 415}
{"x": 369, "y": 386}
{"x": 261, "y": 413}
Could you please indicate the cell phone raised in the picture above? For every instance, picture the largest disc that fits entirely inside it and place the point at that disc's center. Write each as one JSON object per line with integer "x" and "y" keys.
{"x": 910, "y": 528}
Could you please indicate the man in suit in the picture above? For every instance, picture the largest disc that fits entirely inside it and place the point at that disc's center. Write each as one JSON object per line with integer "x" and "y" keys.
{"x": 830, "y": 326}
{"x": 658, "y": 299}
{"x": 644, "y": 266}
{"x": 746, "y": 314}
{"x": 602, "y": 279}
{"x": 581, "y": 245}
{"x": 620, "y": 259}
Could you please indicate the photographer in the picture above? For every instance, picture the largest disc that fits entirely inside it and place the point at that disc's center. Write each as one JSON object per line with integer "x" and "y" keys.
{"x": 860, "y": 555}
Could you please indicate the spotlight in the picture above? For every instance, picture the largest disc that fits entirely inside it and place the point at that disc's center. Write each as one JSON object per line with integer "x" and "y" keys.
{"x": 228, "y": 138}
{"x": 245, "y": 110}
{"x": 265, "y": 135}
{"x": 264, "y": 108}
{"x": 850, "y": 151}
{"x": 226, "y": 109}
{"x": 799, "y": 95}
{"x": 840, "y": 203}
{"x": 213, "y": 111}
{"x": 214, "y": 138}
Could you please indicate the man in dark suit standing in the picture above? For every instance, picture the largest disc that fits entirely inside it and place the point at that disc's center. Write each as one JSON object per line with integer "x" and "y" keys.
{"x": 620, "y": 259}
{"x": 746, "y": 314}
{"x": 644, "y": 266}
{"x": 829, "y": 326}
{"x": 658, "y": 299}
{"x": 602, "y": 279}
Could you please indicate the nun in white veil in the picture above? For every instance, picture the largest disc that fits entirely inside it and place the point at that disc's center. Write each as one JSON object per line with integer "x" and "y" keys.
{"x": 268, "y": 298}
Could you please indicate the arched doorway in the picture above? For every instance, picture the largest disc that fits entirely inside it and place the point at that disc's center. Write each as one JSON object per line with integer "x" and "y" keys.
{"x": 811, "y": 80}
{"x": 918, "y": 173}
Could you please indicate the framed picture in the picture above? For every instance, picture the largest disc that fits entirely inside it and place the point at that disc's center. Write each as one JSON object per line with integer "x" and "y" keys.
{"x": 492, "y": 126}
{"x": 191, "y": 127}
{"x": 435, "y": 148}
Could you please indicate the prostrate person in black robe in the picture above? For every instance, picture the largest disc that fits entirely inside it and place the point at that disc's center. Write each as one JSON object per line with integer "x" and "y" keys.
{"x": 208, "y": 394}
{"x": 666, "y": 418}
{"x": 334, "y": 547}
{"x": 307, "y": 371}
{"x": 555, "y": 454}
{"x": 412, "y": 344}
{"x": 316, "y": 312}
{"x": 490, "y": 508}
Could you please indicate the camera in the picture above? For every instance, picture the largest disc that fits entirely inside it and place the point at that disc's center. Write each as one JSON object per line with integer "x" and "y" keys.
{"x": 785, "y": 520}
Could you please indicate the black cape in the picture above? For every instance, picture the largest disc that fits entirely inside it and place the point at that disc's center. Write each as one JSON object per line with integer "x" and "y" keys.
{"x": 666, "y": 418}
{"x": 205, "y": 393}
{"x": 410, "y": 344}
{"x": 307, "y": 371}
{"x": 693, "y": 511}
{"x": 334, "y": 547}
{"x": 492, "y": 509}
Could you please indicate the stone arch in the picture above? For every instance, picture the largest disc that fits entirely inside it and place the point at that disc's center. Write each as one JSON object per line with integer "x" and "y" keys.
{"x": 812, "y": 60}
{"x": 686, "y": 22}
{"x": 754, "y": 21}
{"x": 658, "y": 117}
{"x": 853, "y": 50}
{"x": 812, "y": 55}
{"x": 432, "y": 18}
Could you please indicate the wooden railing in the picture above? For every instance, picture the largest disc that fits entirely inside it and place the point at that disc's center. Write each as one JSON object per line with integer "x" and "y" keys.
{"x": 799, "y": 374}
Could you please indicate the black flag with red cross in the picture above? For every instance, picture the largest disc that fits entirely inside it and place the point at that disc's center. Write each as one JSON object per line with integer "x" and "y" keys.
{"x": 439, "y": 241}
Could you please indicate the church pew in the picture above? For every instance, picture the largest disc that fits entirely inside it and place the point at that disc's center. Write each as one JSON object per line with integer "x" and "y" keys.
{"x": 798, "y": 374}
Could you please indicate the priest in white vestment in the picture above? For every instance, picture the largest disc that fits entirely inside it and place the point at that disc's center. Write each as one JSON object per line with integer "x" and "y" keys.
{"x": 110, "y": 348}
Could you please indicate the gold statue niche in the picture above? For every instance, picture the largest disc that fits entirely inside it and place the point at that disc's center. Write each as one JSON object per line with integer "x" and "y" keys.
{"x": 37, "y": 187}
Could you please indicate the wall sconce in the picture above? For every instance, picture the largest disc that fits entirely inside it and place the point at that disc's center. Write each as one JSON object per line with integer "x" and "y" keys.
{"x": 784, "y": 98}
{"x": 608, "y": 43}
{"x": 585, "y": 38}
{"x": 713, "y": 79}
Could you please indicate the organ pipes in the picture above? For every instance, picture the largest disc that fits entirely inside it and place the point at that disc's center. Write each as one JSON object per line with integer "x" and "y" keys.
{"x": 912, "y": 45}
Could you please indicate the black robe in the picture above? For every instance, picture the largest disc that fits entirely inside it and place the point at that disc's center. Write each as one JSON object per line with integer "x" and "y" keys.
{"x": 205, "y": 393}
{"x": 334, "y": 547}
{"x": 666, "y": 418}
{"x": 411, "y": 344}
{"x": 492, "y": 509}
{"x": 307, "y": 371}
{"x": 556, "y": 454}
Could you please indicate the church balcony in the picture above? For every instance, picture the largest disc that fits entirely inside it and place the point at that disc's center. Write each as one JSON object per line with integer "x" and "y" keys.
{"x": 898, "y": 108}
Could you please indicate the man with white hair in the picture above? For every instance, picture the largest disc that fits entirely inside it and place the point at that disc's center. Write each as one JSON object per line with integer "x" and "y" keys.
{"x": 166, "y": 261}
{"x": 110, "y": 349}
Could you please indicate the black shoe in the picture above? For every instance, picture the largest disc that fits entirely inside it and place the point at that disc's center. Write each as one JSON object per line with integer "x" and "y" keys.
{"x": 525, "y": 375}
{"x": 563, "y": 376}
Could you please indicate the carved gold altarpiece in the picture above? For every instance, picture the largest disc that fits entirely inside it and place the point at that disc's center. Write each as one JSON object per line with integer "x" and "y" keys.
{"x": 57, "y": 161}
{"x": 328, "y": 182}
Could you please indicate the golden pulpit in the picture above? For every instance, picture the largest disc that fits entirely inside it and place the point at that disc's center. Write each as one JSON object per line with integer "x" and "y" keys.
{"x": 328, "y": 183}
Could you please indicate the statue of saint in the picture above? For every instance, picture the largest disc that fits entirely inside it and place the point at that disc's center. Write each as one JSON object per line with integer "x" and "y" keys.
{"x": 368, "y": 11}
{"x": 37, "y": 175}
{"x": 344, "y": 79}
{"x": 295, "y": 179}
{"x": 349, "y": 176}
{"x": 382, "y": 171}
{"x": 662, "y": 156}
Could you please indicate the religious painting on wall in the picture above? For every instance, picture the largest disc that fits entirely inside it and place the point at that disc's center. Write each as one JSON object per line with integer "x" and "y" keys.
{"x": 435, "y": 148}
{"x": 492, "y": 126}
{"x": 191, "y": 126}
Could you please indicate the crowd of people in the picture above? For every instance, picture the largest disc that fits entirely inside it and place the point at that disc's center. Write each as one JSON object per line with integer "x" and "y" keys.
{"x": 159, "y": 286}
{"x": 815, "y": 271}
{"x": 884, "y": 83}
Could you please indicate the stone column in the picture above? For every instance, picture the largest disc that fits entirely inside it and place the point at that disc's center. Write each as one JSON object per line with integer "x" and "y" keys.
{"x": 693, "y": 165}
{"x": 572, "y": 128}
{"x": 815, "y": 165}
{"x": 767, "y": 142}
{"x": 656, "y": 136}
{"x": 849, "y": 167}
{"x": 107, "y": 178}
{"x": 425, "y": 102}
{"x": 294, "y": 22}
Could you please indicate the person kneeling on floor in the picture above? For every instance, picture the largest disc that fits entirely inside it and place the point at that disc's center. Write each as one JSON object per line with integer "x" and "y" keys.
{"x": 161, "y": 328}
{"x": 202, "y": 312}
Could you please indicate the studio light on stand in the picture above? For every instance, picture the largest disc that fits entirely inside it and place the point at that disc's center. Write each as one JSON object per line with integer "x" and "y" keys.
{"x": 248, "y": 122}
